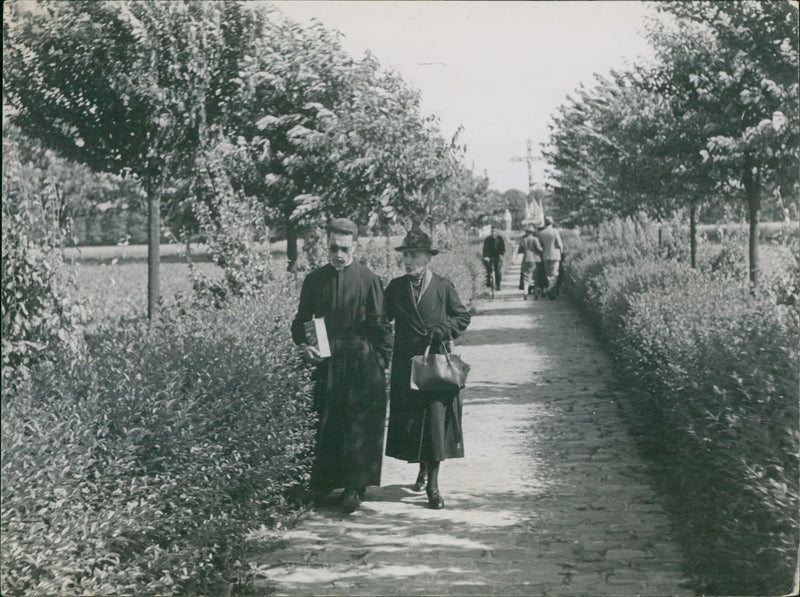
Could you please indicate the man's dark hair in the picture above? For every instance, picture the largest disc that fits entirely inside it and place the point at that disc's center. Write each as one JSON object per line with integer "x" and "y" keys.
{"x": 343, "y": 226}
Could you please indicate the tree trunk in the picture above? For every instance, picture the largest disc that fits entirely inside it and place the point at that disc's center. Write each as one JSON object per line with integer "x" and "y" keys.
{"x": 752, "y": 187}
{"x": 693, "y": 233}
{"x": 153, "y": 251}
{"x": 291, "y": 246}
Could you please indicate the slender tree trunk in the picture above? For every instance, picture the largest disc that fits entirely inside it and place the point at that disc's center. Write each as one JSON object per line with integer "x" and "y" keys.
{"x": 291, "y": 246}
{"x": 153, "y": 251}
{"x": 752, "y": 187}
{"x": 693, "y": 233}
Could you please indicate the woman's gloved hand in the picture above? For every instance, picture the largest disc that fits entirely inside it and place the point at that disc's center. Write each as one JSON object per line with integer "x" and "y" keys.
{"x": 437, "y": 335}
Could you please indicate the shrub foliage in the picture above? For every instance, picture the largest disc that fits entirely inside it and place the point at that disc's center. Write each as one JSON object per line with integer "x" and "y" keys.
{"x": 139, "y": 471}
{"x": 714, "y": 379}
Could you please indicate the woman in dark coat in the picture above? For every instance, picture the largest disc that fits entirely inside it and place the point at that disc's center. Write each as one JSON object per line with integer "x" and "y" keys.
{"x": 424, "y": 427}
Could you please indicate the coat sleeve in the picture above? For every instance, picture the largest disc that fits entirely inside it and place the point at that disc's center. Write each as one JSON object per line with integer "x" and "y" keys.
{"x": 305, "y": 311}
{"x": 558, "y": 244}
{"x": 458, "y": 317}
{"x": 486, "y": 247}
{"x": 377, "y": 326}
{"x": 502, "y": 248}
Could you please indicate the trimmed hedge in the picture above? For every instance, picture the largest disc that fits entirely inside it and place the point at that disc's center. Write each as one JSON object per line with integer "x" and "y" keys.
{"x": 714, "y": 393}
{"x": 140, "y": 469}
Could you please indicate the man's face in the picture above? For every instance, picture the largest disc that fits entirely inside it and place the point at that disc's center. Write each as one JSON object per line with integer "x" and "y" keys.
{"x": 341, "y": 248}
{"x": 494, "y": 231}
{"x": 415, "y": 261}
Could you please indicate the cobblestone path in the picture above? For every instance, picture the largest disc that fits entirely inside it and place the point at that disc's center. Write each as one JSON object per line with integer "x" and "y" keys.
{"x": 551, "y": 499}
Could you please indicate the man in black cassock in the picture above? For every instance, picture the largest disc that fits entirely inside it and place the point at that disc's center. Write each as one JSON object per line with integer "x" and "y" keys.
{"x": 350, "y": 385}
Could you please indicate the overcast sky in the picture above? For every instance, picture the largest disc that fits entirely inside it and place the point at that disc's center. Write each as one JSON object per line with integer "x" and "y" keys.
{"x": 500, "y": 69}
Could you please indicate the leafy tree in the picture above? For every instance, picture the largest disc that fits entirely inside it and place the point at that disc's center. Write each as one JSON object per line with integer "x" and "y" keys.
{"x": 608, "y": 150}
{"x": 74, "y": 187}
{"x": 118, "y": 86}
{"x": 320, "y": 133}
{"x": 745, "y": 88}
{"x": 38, "y": 313}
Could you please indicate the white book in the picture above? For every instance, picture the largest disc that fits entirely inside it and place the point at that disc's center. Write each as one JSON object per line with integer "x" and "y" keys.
{"x": 322, "y": 337}
{"x": 317, "y": 334}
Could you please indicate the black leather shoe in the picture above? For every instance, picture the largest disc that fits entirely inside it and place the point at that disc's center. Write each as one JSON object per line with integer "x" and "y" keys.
{"x": 435, "y": 500}
{"x": 362, "y": 493}
{"x": 419, "y": 484}
{"x": 350, "y": 501}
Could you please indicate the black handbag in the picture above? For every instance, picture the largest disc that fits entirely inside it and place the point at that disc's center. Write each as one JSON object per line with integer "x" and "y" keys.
{"x": 438, "y": 372}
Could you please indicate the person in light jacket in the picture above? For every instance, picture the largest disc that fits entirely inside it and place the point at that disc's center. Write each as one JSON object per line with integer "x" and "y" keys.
{"x": 531, "y": 250}
{"x": 551, "y": 254}
{"x": 424, "y": 427}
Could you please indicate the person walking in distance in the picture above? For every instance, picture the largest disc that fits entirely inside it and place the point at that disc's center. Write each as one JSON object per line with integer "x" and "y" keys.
{"x": 531, "y": 250}
{"x": 424, "y": 426}
{"x": 552, "y": 247}
{"x": 494, "y": 249}
{"x": 350, "y": 384}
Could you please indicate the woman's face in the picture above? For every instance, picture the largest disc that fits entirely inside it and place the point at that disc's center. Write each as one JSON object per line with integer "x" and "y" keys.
{"x": 415, "y": 261}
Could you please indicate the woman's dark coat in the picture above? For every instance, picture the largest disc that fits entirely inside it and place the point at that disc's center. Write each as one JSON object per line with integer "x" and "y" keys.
{"x": 350, "y": 386}
{"x": 423, "y": 426}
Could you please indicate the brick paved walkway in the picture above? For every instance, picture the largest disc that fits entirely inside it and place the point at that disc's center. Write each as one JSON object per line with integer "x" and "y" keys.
{"x": 551, "y": 499}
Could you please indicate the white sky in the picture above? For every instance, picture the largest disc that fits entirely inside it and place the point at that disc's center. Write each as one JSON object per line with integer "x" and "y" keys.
{"x": 500, "y": 69}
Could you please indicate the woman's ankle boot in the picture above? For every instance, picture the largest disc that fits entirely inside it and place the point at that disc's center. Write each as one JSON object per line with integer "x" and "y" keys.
{"x": 422, "y": 477}
{"x": 435, "y": 500}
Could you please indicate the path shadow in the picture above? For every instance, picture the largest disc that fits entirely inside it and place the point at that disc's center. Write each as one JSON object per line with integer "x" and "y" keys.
{"x": 513, "y": 393}
{"x": 518, "y": 310}
{"x": 495, "y": 336}
{"x": 382, "y": 540}
{"x": 330, "y": 506}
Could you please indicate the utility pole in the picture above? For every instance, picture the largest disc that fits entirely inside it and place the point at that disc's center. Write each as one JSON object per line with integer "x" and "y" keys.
{"x": 534, "y": 210}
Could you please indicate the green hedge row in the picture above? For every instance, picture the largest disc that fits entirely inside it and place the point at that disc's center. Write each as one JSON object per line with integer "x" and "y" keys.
{"x": 139, "y": 469}
{"x": 713, "y": 377}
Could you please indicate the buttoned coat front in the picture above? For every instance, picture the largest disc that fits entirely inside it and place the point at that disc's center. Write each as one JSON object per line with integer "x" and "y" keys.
{"x": 423, "y": 426}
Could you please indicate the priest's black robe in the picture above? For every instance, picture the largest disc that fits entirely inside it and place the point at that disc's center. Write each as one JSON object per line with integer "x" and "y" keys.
{"x": 350, "y": 385}
{"x": 423, "y": 426}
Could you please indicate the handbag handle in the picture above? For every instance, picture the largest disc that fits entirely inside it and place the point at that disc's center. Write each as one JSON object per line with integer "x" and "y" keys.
{"x": 446, "y": 352}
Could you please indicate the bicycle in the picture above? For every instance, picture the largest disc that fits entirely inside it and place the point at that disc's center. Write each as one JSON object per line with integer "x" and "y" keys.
{"x": 487, "y": 264}
{"x": 490, "y": 265}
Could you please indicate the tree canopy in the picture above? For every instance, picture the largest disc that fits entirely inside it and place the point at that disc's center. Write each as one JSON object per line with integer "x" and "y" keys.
{"x": 185, "y": 94}
{"x": 714, "y": 117}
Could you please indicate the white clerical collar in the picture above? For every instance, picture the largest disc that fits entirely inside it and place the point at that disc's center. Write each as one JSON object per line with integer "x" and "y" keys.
{"x": 344, "y": 267}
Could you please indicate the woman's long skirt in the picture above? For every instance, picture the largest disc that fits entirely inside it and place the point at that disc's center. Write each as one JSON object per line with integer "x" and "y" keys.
{"x": 423, "y": 426}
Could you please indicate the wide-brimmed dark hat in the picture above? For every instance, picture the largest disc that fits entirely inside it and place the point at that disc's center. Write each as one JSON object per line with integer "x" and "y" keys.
{"x": 417, "y": 240}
